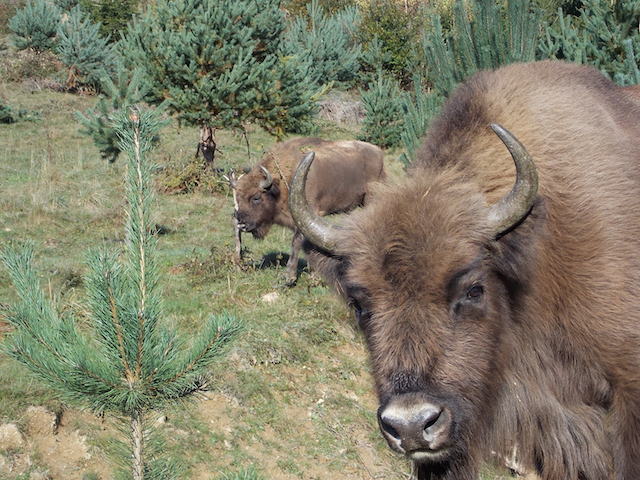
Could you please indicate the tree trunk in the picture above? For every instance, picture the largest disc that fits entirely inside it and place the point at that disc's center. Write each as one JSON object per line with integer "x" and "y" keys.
{"x": 207, "y": 145}
{"x": 137, "y": 444}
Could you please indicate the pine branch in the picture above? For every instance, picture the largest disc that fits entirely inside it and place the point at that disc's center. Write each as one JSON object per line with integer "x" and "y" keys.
{"x": 178, "y": 376}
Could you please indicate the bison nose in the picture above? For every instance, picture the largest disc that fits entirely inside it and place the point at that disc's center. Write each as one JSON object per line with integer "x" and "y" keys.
{"x": 416, "y": 428}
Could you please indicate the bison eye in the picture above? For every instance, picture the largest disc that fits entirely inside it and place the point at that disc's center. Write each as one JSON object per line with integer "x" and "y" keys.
{"x": 475, "y": 292}
{"x": 353, "y": 303}
{"x": 256, "y": 199}
{"x": 361, "y": 314}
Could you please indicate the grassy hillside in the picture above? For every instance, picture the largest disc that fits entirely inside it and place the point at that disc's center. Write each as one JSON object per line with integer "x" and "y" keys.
{"x": 293, "y": 399}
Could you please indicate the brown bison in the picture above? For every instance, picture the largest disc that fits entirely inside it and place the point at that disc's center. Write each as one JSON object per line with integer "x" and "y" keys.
{"x": 338, "y": 182}
{"x": 501, "y": 306}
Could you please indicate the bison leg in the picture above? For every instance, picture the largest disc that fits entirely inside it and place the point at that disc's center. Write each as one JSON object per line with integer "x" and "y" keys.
{"x": 237, "y": 234}
{"x": 292, "y": 264}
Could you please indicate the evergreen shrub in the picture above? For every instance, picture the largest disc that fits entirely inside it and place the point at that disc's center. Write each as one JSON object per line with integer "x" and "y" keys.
{"x": 88, "y": 55}
{"x": 9, "y": 114}
{"x": 66, "y": 5}
{"x": 328, "y": 41}
{"x": 419, "y": 108}
{"x": 35, "y": 26}
{"x": 483, "y": 35}
{"x": 112, "y": 15}
{"x": 604, "y": 33}
{"x": 118, "y": 94}
{"x": 301, "y": 7}
{"x": 390, "y": 32}
{"x": 383, "y": 105}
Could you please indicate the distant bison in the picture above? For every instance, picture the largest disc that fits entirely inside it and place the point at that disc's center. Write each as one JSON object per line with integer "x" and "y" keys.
{"x": 499, "y": 313}
{"x": 338, "y": 182}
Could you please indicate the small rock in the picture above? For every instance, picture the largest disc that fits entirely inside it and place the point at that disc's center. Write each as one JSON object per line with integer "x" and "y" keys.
{"x": 10, "y": 437}
{"x": 162, "y": 419}
{"x": 270, "y": 297}
{"x": 40, "y": 420}
{"x": 15, "y": 464}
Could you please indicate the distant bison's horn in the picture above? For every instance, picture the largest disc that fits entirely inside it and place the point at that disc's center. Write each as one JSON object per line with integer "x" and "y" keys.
{"x": 268, "y": 179}
{"x": 315, "y": 228}
{"x": 514, "y": 206}
{"x": 232, "y": 178}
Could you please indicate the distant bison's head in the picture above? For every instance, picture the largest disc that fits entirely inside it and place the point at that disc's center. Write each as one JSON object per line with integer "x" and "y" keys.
{"x": 421, "y": 267}
{"x": 256, "y": 196}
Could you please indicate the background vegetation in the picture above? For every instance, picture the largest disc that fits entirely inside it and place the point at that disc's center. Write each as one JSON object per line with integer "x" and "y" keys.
{"x": 293, "y": 399}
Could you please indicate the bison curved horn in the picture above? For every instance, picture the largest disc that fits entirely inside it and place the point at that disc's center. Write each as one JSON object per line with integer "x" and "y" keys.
{"x": 268, "y": 179}
{"x": 315, "y": 228}
{"x": 514, "y": 206}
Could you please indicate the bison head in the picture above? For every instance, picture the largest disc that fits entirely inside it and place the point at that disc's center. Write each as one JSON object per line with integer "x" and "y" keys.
{"x": 256, "y": 196}
{"x": 420, "y": 266}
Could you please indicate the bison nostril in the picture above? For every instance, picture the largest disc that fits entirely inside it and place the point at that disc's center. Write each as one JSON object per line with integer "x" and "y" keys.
{"x": 388, "y": 428}
{"x": 432, "y": 416}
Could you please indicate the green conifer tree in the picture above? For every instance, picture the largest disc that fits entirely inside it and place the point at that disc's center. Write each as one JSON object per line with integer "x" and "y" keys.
{"x": 130, "y": 362}
{"x": 395, "y": 30}
{"x": 604, "y": 34}
{"x": 118, "y": 94}
{"x": 221, "y": 64}
{"x": 7, "y": 115}
{"x": 632, "y": 72}
{"x": 383, "y": 120}
{"x": 485, "y": 35}
{"x": 374, "y": 57}
{"x": 35, "y": 26}
{"x": 112, "y": 15}
{"x": 419, "y": 109}
{"x": 66, "y": 5}
{"x": 87, "y": 54}
{"x": 328, "y": 40}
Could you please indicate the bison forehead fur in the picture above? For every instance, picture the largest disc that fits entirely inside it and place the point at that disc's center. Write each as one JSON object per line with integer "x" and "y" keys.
{"x": 531, "y": 339}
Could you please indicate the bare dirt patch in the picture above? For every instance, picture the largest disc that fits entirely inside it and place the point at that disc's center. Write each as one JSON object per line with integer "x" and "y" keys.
{"x": 49, "y": 446}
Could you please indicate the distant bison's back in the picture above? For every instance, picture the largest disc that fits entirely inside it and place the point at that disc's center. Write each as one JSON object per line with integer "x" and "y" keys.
{"x": 339, "y": 178}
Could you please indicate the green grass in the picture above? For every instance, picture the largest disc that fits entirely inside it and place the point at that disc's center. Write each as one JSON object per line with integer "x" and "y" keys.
{"x": 292, "y": 400}
{"x": 296, "y": 351}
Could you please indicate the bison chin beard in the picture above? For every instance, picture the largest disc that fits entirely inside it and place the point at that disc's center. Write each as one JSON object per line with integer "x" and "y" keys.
{"x": 457, "y": 466}
{"x": 260, "y": 232}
